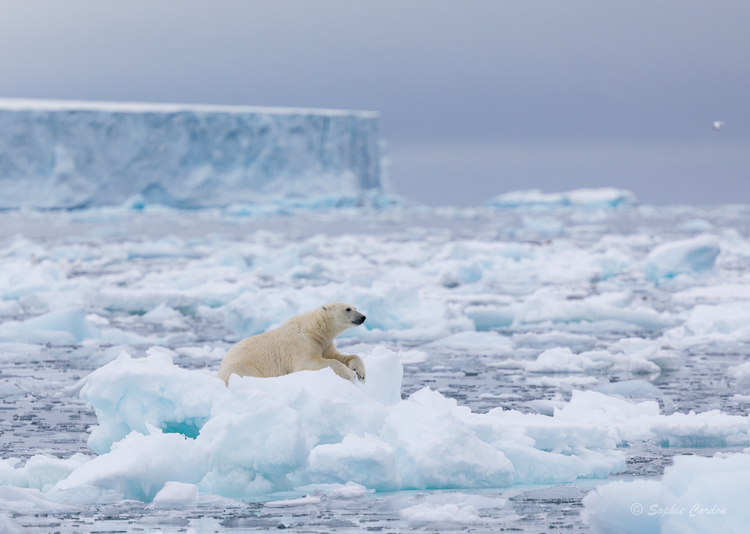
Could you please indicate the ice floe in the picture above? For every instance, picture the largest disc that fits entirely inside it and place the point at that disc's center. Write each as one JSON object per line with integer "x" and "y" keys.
{"x": 160, "y": 424}
{"x": 696, "y": 494}
{"x": 591, "y": 198}
{"x": 694, "y": 255}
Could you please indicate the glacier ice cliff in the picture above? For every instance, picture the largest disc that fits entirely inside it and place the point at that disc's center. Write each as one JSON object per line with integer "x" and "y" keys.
{"x": 68, "y": 154}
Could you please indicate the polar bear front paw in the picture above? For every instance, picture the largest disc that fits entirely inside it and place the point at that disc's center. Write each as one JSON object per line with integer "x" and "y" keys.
{"x": 358, "y": 366}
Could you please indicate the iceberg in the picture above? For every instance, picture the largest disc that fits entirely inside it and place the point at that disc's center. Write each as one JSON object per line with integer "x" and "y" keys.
{"x": 604, "y": 197}
{"x": 69, "y": 154}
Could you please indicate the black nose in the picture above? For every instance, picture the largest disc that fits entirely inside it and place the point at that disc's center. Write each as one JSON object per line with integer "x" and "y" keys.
{"x": 359, "y": 320}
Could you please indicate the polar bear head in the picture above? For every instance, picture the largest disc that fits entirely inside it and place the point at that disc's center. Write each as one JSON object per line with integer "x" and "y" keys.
{"x": 343, "y": 315}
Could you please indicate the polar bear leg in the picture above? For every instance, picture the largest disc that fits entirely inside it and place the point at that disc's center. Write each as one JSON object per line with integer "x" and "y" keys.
{"x": 316, "y": 362}
{"x": 240, "y": 369}
{"x": 352, "y": 361}
{"x": 357, "y": 365}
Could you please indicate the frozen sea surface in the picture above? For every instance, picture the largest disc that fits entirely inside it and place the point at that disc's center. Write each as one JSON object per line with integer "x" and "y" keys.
{"x": 610, "y": 338}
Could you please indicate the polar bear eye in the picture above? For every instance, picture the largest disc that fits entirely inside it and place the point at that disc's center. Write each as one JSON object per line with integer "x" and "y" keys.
{"x": 348, "y": 309}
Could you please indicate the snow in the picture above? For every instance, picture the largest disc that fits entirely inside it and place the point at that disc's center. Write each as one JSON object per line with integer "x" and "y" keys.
{"x": 55, "y": 154}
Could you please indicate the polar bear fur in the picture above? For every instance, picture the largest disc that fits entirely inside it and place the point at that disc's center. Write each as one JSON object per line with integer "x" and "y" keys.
{"x": 304, "y": 342}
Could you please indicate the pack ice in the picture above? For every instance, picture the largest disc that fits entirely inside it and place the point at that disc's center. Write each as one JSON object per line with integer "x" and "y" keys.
{"x": 67, "y": 154}
{"x": 571, "y": 304}
{"x": 161, "y": 424}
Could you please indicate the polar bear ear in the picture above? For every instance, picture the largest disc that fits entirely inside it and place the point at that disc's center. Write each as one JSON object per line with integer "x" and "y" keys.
{"x": 326, "y": 309}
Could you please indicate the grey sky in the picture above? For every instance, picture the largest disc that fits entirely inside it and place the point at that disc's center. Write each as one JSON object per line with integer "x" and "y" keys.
{"x": 477, "y": 97}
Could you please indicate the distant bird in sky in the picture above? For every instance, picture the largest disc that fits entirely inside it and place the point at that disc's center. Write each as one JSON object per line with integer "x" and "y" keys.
{"x": 716, "y": 125}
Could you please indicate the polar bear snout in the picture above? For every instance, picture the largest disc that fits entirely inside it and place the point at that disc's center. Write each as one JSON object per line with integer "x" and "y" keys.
{"x": 358, "y": 319}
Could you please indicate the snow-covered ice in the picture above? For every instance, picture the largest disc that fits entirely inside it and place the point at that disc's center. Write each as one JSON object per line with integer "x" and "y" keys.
{"x": 518, "y": 356}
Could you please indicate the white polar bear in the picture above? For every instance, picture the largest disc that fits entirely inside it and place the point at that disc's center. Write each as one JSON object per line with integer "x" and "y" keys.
{"x": 304, "y": 342}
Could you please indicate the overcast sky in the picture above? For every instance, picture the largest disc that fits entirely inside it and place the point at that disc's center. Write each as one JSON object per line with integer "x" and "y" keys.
{"x": 476, "y": 98}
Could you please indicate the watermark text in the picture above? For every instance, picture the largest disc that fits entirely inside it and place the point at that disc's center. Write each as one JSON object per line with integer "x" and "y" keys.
{"x": 696, "y": 510}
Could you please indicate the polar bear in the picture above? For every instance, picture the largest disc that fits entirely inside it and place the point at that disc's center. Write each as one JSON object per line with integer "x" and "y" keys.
{"x": 304, "y": 342}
